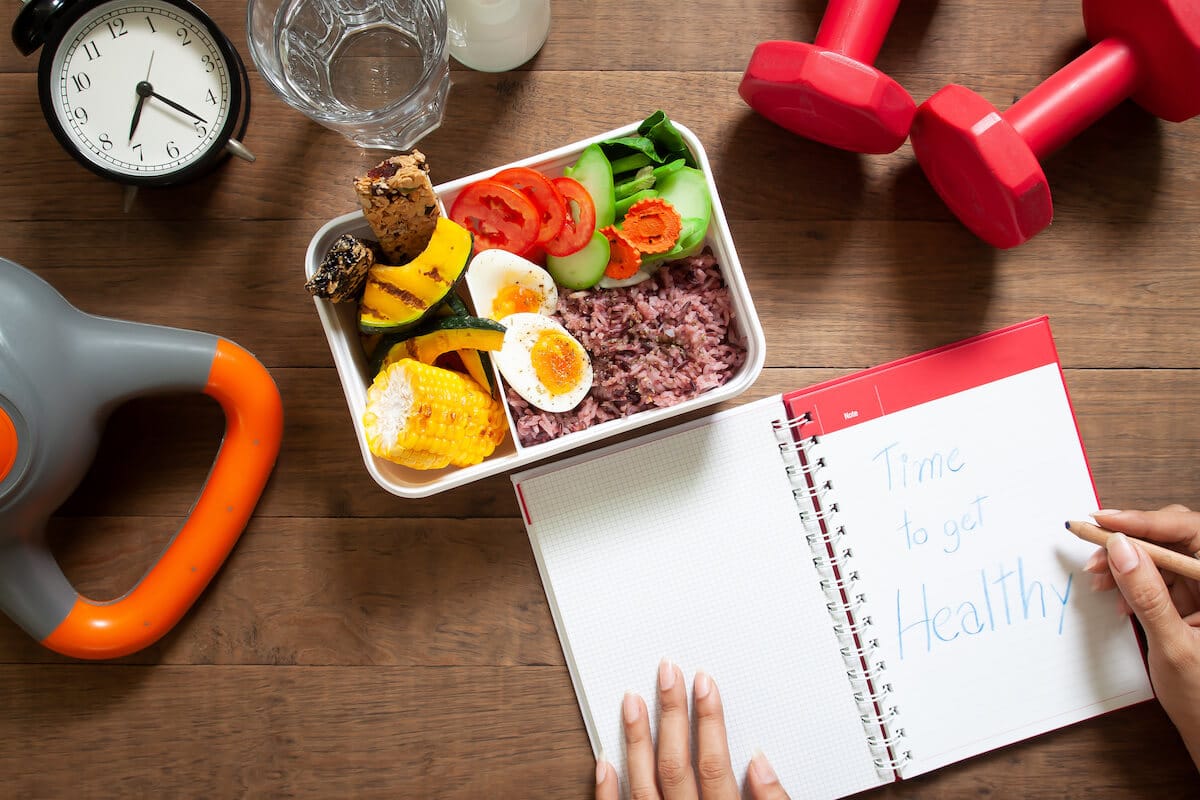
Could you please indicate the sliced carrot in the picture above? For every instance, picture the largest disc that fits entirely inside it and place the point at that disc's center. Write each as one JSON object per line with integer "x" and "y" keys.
{"x": 623, "y": 259}
{"x": 652, "y": 225}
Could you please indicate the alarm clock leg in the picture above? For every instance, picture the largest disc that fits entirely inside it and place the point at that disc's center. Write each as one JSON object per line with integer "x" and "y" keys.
{"x": 240, "y": 150}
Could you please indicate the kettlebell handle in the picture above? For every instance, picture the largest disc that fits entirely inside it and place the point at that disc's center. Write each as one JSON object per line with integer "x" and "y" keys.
{"x": 96, "y": 630}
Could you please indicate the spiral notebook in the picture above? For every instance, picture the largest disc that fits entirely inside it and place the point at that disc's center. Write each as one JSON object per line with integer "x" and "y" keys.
{"x": 874, "y": 569}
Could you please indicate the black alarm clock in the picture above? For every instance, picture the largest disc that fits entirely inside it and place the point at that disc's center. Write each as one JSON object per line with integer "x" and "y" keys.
{"x": 143, "y": 92}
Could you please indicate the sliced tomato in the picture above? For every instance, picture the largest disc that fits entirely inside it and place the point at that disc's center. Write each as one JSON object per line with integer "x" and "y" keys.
{"x": 497, "y": 215}
{"x": 537, "y": 254}
{"x": 551, "y": 206}
{"x": 580, "y": 222}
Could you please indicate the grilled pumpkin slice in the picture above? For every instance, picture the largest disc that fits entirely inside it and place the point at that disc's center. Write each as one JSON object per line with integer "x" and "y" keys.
{"x": 396, "y": 299}
{"x": 469, "y": 337}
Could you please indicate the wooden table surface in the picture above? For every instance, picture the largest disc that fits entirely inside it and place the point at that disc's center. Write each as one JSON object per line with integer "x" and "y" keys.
{"x": 360, "y": 645}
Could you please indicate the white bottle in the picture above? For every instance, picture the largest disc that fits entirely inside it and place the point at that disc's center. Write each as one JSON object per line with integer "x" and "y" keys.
{"x": 496, "y": 35}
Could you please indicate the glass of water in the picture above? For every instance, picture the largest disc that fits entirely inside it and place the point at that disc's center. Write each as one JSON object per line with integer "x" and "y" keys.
{"x": 376, "y": 71}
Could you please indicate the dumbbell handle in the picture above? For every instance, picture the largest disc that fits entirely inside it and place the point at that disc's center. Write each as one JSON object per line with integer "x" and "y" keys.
{"x": 856, "y": 28}
{"x": 1070, "y": 100}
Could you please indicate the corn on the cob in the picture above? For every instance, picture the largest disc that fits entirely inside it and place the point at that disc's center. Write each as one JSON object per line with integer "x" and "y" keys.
{"x": 426, "y": 417}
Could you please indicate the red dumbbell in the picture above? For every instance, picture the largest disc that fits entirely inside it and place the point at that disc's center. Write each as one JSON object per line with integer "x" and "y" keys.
{"x": 986, "y": 165}
{"x": 828, "y": 91}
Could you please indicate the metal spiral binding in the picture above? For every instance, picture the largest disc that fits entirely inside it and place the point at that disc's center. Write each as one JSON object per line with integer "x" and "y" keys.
{"x": 881, "y": 719}
{"x": 816, "y": 500}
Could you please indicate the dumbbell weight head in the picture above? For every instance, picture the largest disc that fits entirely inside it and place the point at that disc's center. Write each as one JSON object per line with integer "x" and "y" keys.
{"x": 986, "y": 166}
{"x": 983, "y": 169}
{"x": 828, "y": 97}
{"x": 1165, "y": 35}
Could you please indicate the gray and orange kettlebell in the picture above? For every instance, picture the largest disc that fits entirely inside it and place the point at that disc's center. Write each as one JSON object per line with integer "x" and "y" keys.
{"x": 62, "y": 372}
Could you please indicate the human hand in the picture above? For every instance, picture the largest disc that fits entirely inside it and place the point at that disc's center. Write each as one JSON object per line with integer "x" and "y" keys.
{"x": 1167, "y": 605}
{"x": 669, "y": 774}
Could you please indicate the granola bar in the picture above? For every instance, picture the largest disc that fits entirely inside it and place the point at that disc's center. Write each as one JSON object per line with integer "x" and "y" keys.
{"x": 400, "y": 205}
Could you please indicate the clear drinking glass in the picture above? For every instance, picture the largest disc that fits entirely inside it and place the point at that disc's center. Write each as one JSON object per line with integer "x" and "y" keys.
{"x": 376, "y": 71}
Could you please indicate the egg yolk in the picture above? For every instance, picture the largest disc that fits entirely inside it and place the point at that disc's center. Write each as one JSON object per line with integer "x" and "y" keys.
{"x": 556, "y": 362}
{"x": 514, "y": 299}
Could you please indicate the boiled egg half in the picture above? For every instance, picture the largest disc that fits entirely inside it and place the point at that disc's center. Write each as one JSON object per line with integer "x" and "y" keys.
{"x": 544, "y": 363}
{"x": 503, "y": 283}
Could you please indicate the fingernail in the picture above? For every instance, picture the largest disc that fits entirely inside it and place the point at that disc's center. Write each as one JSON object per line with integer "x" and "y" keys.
{"x": 703, "y": 686}
{"x": 1095, "y": 563}
{"x": 601, "y": 769}
{"x": 629, "y": 708}
{"x": 1122, "y": 556}
{"x": 666, "y": 675}
{"x": 762, "y": 768}
{"x": 1104, "y": 512}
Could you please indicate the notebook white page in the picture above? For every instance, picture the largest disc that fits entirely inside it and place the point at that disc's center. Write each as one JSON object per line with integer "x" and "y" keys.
{"x": 954, "y": 511}
{"x": 688, "y": 547}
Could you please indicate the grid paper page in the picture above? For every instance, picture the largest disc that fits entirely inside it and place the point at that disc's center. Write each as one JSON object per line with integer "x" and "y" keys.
{"x": 689, "y": 547}
{"x": 955, "y": 512}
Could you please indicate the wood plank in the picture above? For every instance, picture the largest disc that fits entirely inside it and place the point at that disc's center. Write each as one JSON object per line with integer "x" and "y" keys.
{"x": 329, "y": 592}
{"x": 304, "y": 170}
{"x": 286, "y": 732}
{"x": 926, "y": 37}
{"x": 446, "y": 732}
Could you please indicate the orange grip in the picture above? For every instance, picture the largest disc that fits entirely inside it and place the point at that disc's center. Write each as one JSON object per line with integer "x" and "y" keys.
{"x": 253, "y": 430}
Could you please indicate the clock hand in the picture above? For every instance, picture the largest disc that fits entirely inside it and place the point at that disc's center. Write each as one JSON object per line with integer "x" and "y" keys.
{"x": 143, "y": 91}
{"x": 178, "y": 107}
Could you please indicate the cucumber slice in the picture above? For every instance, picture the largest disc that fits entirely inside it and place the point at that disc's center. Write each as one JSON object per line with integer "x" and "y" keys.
{"x": 687, "y": 190}
{"x": 584, "y": 269}
{"x": 593, "y": 170}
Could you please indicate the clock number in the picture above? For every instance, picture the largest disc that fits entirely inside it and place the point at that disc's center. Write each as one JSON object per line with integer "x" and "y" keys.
{"x": 106, "y": 143}
{"x": 80, "y": 113}
{"x": 138, "y": 148}
{"x": 82, "y": 81}
{"x": 92, "y": 49}
{"x": 210, "y": 97}
{"x": 116, "y": 27}
{"x": 201, "y": 131}
{"x": 172, "y": 150}
{"x": 150, "y": 22}
{"x": 182, "y": 33}
{"x": 209, "y": 64}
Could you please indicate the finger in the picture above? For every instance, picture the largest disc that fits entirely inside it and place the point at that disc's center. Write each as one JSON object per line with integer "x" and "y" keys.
{"x": 607, "y": 786}
{"x": 1097, "y": 564}
{"x": 761, "y": 780}
{"x": 1174, "y": 525}
{"x": 675, "y": 775}
{"x": 1103, "y": 583}
{"x": 639, "y": 748}
{"x": 1143, "y": 589}
{"x": 712, "y": 756}
{"x": 1183, "y": 595}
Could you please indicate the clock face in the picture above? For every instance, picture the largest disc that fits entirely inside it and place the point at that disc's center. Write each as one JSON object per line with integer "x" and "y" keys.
{"x": 140, "y": 90}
